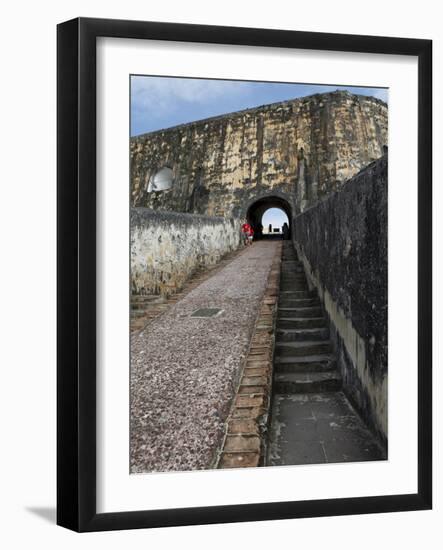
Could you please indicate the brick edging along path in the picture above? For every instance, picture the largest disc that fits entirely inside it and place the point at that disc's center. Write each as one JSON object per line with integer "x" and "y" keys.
{"x": 244, "y": 442}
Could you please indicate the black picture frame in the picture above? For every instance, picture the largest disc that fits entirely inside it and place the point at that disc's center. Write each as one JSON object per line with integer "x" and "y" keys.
{"x": 76, "y": 265}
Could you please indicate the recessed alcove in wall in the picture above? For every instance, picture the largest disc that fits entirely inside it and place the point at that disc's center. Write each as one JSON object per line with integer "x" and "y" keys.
{"x": 161, "y": 180}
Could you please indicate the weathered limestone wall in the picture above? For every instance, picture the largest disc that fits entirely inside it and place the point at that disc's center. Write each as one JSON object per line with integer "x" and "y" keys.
{"x": 300, "y": 150}
{"x": 343, "y": 243}
{"x": 167, "y": 247}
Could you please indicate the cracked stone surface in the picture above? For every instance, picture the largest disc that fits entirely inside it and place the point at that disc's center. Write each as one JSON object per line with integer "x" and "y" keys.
{"x": 184, "y": 370}
{"x": 224, "y": 162}
{"x": 318, "y": 428}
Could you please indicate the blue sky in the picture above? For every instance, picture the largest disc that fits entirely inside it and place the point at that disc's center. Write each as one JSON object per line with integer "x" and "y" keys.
{"x": 163, "y": 102}
{"x": 275, "y": 216}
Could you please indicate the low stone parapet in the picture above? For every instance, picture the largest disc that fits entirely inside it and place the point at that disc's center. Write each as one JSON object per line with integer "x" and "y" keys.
{"x": 168, "y": 247}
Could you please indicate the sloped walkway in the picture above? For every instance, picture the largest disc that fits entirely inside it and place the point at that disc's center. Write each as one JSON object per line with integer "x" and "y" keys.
{"x": 184, "y": 369}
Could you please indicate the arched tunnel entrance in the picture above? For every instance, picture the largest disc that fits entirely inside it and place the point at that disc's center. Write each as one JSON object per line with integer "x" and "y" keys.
{"x": 263, "y": 213}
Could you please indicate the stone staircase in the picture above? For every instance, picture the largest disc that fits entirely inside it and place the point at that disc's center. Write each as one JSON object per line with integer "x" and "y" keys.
{"x": 304, "y": 359}
{"x": 145, "y": 307}
{"x": 311, "y": 419}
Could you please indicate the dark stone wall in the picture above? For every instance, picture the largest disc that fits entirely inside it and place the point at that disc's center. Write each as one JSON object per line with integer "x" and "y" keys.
{"x": 300, "y": 150}
{"x": 343, "y": 242}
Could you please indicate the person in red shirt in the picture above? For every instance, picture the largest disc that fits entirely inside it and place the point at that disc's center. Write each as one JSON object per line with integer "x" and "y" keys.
{"x": 248, "y": 233}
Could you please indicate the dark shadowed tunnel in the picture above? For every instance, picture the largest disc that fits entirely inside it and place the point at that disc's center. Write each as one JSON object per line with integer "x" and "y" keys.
{"x": 257, "y": 209}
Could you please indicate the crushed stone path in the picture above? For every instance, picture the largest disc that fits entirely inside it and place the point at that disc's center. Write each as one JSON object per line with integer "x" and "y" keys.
{"x": 184, "y": 370}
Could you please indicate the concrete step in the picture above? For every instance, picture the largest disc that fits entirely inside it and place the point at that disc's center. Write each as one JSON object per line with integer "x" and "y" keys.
{"x": 302, "y": 348}
{"x": 284, "y": 286}
{"x": 300, "y": 322}
{"x": 326, "y": 358}
{"x": 303, "y": 312}
{"x": 290, "y": 267}
{"x": 136, "y": 298}
{"x": 307, "y": 382}
{"x": 296, "y": 294}
{"x": 138, "y": 305}
{"x": 288, "y": 364}
{"x": 297, "y": 335}
{"x": 298, "y": 302}
{"x": 291, "y": 273}
{"x": 291, "y": 258}
{"x": 138, "y": 325}
{"x": 138, "y": 313}
{"x": 291, "y": 262}
{"x": 143, "y": 305}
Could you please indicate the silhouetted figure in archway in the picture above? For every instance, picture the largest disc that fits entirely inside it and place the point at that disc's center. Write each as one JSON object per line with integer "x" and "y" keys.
{"x": 285, "y": 231}
{"x": 259, "y": 232}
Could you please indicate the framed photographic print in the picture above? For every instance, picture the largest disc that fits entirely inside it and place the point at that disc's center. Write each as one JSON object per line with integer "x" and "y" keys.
{"x": 244, "y": 274}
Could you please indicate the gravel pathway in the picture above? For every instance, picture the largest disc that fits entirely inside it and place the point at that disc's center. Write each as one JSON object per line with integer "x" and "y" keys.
{"x": 184, "y": 370}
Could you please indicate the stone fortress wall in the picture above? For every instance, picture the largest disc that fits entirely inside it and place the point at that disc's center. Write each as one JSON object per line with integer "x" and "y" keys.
{"x": 301, "y": 150}
{"x": 323, "y": 160}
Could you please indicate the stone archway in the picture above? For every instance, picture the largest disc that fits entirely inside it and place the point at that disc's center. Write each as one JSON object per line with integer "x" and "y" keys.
{"x": 256, "y": 210}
